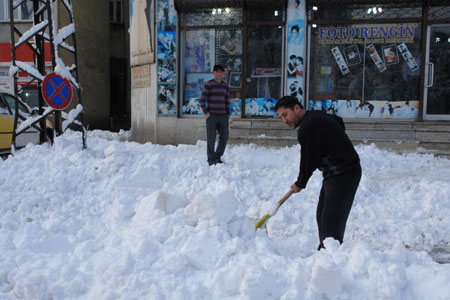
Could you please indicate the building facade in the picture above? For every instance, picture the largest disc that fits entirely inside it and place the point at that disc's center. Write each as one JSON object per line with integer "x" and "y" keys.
{"x": 102, "y": 43}
{"x": 359, "y": 61}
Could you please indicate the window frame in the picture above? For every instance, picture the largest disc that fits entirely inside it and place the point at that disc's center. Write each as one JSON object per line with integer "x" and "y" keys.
{"x": 17, "y": 11}
{"x": 113, "y": 18}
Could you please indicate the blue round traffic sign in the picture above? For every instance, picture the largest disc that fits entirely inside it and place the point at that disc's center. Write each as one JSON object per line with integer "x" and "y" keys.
{"x": 57, "y": 91}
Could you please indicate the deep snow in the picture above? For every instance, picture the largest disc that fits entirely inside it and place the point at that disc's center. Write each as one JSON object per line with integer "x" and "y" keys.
{"x": 122, "y": 220}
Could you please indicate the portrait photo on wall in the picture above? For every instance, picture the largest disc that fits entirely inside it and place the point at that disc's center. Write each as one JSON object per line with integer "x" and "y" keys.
{"x": 235, "y": 80}
{"x": 166, "y": 100}
{"x": 166, "y": 45}
{"x": 166, "y": 15}
{"x": 142, "y": 33}
{"x": 228, "y": 41}
{"x": 295, "y": 66}
{"x": 230, "y": 63}
{"x": 390, "y": 55}
{"x": 296, "y": 30}
{"x": 352, "y": 55}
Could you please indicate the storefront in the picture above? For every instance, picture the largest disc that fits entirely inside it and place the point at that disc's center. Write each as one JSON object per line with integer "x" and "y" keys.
{"x": 380, "y": 61}
{"x": 350, "y": 58}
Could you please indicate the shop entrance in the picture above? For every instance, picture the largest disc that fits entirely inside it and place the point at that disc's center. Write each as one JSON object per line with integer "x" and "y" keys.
{"x": 437, "y": 77}
{"x": 263, "y": 84}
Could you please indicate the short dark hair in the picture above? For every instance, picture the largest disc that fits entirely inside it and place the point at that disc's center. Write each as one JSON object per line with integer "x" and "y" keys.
{"x": 218, "y": 67}
{"x": 287, "y": 102}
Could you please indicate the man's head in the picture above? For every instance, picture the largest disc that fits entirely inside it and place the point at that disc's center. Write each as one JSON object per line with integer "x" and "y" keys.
{"x": 218, "y": 72}
{"x": 290, "y": 111}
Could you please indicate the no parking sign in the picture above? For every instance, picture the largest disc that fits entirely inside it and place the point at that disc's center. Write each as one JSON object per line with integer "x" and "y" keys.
{"x": 57, "y": 91}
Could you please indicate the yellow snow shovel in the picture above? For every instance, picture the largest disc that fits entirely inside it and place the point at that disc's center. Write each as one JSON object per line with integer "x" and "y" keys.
{"x": 264, "y": 219}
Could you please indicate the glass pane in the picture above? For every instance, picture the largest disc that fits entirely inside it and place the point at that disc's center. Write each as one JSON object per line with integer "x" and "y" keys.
{"x": 263, "y": 76}
{"x": 438, "y": 100}
{"x": 265, "y": 14}
{"x": 212, "y": 16}
{"x": 111, "y": 10}
{"x": 385, "y": 11}
{"x": 199, "y": 59}
{"x": 118, "y": 11}
{"x": 368, "y": 70}
{"x": 27, "y": 10}
{"x": 2, "y": 10}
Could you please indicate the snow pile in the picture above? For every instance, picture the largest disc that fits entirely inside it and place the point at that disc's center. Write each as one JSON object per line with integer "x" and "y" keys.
{"x": 121, "y": 220}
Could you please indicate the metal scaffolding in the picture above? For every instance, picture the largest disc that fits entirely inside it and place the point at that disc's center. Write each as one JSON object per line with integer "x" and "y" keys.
{"x": 60, "y": 37}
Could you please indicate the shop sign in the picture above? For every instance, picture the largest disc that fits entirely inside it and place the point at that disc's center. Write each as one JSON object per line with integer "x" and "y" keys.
{"x": 358, "y": 34}
{"x": 140, "y": 76}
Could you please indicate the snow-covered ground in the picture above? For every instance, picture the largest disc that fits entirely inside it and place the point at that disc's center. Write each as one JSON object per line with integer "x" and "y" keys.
{"x": 121, "y": 220}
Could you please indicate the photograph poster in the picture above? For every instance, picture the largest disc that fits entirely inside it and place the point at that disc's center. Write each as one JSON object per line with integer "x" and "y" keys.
{"x": 352, "y": 55}
{"x": 340, "y": 60}
{"x": 407, "y": 56}
{"x": 235, "y": 80}
{"x": 379, "y": 63}
{"x": 390, "y": 55}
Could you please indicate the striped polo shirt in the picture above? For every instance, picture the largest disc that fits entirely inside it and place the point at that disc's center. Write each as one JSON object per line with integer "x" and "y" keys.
{"x": 215, "y": 98}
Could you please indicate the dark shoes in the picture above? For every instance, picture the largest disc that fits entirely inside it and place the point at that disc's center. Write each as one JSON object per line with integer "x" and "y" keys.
{"x": 215, "y": 162}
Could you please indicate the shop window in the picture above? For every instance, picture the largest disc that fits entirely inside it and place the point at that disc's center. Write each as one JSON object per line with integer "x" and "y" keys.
{"x": 366, "y": 70}
{"x": 361, "y": 12}
{"x": 264, "y": 58}
{"x": 212, "y": 16}
{"x": 24, "y": 12}
{"x": 202, "y": 49}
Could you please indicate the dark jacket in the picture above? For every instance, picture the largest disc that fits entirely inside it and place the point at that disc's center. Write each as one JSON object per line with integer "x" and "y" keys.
{"x": 324, "y": 146}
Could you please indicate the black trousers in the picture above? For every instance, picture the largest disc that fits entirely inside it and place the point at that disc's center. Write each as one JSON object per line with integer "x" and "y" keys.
{"x": 335, "y": 201}
{"x": 216, "y": 123}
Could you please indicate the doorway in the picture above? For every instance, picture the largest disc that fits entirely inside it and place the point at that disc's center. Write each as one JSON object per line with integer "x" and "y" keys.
{"x": 437, "y": 77}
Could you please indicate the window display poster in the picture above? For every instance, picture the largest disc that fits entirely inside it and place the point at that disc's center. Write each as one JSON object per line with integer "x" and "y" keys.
{"x": 199, "y": 50}
{"x": 166, "y": 15}
{"x": 235, "y": 106}
{"x": 229, "y": 49}
{"x": 166, "y": 100}
{"x": 142, "y": 48}
{"x": 367, "y": 109}
{"x": 352, "y": 55}
{"x": 379, "y": 63}
{"x": 166, "y": 45}
{"x": 193, "y": 91}
{"x": 407, "y": 56}
{"x": 260, "y": 106}
{"x": 295, "y": 45}
{"x": 167, "y": 71}
{"x": 340, "y": 60}
{"x": 390, "y": 55}
{"x": 166, "y": 54}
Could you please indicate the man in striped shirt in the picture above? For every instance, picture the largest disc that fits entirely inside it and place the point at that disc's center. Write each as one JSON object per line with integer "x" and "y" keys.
{"x": 216, "y": 107}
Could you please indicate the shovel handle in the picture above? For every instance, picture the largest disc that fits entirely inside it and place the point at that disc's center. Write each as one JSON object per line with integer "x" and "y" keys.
{"x": 285, "y": 197}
